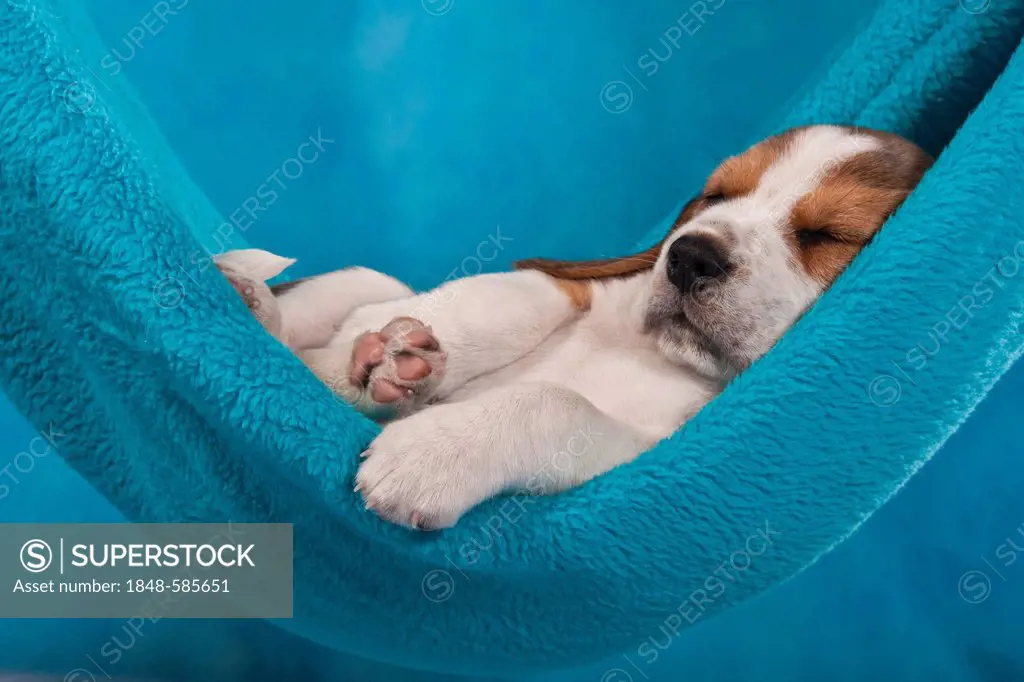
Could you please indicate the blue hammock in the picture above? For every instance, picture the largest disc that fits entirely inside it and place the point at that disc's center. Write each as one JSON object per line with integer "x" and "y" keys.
{"x": 177, "y": 407}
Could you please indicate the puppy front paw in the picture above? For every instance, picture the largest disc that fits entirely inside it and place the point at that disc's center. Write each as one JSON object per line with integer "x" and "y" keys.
{"x": 427, "y": 470}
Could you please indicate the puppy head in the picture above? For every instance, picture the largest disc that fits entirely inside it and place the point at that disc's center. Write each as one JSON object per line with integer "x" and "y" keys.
{"x": 771, "y": 230}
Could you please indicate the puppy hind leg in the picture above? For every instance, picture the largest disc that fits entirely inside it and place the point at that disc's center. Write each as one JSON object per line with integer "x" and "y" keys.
{"x": 313, "y": 309}
{"x": 307, "y": 312}
{"x": 481, "y": 323}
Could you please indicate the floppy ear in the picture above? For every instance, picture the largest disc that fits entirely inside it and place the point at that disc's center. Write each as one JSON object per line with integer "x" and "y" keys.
{"x": 593, "y": 269}
{"x": 605, "y": 268}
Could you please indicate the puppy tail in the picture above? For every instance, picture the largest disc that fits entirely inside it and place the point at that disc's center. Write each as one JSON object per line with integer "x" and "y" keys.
{"x": 257, "y": 264}
{"x": 248, "y": 270}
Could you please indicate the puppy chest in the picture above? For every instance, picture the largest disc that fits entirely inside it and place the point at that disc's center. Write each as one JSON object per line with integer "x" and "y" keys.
{"x": 633, "y": 385}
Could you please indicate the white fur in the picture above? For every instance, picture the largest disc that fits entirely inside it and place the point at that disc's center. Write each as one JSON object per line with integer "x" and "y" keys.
{"x": 527, "y": 376}
{"x": 537, "y": 396}
{"x": 311, "y": 318}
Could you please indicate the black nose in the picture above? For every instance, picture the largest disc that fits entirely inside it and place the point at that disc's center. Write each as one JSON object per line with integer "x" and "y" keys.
{"x": 694, "y": 260}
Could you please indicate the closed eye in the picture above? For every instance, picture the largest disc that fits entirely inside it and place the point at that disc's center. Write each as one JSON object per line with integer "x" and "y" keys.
{"x": 713, "y": 198}
{"x": 817, "y": 236}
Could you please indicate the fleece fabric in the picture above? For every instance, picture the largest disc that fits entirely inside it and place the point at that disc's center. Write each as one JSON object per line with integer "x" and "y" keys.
{"x": 177, "y": 407}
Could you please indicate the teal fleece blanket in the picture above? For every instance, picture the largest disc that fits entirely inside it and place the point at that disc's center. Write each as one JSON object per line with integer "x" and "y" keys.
{"x": 176, "y": 406}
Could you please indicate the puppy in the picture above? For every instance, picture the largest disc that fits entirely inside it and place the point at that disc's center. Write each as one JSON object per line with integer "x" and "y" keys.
{"x": 540, "y": 379}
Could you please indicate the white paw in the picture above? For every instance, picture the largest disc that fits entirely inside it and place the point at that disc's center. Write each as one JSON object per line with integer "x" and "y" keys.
{"x": 427, "y": 470}
{"x": 397, "y": 368}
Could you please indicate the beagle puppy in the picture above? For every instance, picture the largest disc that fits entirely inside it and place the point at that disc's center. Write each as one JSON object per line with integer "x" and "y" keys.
{"x": 540, "y": 379}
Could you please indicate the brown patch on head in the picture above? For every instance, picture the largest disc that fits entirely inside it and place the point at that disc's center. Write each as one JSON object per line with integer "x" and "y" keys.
{"x": 833, "y": 222}
{"x": 740, "y": 175}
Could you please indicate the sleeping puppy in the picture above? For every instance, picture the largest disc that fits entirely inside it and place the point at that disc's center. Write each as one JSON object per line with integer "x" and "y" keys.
{"x": 540, "y": 379}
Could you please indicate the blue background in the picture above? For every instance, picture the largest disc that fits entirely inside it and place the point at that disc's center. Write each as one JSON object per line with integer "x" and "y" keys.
{"x": 446, "y": 127}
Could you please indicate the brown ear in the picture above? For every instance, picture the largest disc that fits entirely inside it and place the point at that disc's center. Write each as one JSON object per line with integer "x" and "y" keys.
{"x": 605, "y": 268}
{"x": 593, "y": 269}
